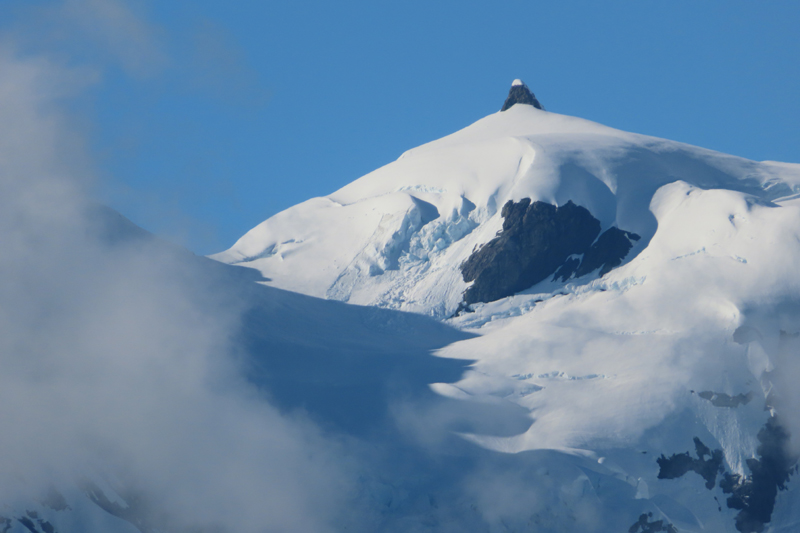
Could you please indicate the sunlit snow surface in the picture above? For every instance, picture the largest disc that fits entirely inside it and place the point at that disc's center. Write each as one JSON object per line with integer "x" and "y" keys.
{"x": 608, "y": 369}
{"x": 395, "y": 237}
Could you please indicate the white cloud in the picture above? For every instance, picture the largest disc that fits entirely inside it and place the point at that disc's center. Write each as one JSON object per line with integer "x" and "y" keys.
{"x": 117, "y": 28}
{"x": 119, "y": 358}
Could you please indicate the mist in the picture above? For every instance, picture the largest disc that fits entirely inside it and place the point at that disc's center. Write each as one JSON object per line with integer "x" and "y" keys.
{"x": 191, "y": 396}
{"x": 118, "y": 351}
{"x": 174, "y": 392}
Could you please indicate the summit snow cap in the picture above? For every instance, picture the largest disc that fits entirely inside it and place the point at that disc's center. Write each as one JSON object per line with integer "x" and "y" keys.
{"x": 520, "y": 94}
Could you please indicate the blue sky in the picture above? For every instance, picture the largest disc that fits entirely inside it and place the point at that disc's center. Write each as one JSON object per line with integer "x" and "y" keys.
{"x": 204, "y": 118}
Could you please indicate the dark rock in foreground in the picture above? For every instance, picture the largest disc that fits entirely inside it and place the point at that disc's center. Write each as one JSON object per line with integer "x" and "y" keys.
{"x": 754, "y": 495}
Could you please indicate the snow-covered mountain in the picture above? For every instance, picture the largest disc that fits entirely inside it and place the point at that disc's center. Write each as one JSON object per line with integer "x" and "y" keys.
{"x": 564, "y": 328}
{"x": 396, "y": 237}
{"x": 637, "y": 298}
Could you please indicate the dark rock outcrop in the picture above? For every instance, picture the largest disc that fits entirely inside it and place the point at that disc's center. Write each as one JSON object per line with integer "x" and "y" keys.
{"x": 643, "y": 525}
{"x": 32, "y": 522}
{"x": 608, "y": 252}
{"x": 566, "y": 270}
{"x": 754, "y": 495}
{"x": 680, "y": 463}
{"x": 535, "y": 241}
{"x": 520, "y": 94}
{"x": 720, "y": 399}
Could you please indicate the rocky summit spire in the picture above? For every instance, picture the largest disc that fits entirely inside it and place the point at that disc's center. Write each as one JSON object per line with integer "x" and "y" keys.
{"x": 520, "y": 94}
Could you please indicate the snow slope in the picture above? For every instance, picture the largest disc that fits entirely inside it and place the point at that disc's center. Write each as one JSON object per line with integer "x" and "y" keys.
{"x": 672, "y": 375}
{"x": 625, "y": 365}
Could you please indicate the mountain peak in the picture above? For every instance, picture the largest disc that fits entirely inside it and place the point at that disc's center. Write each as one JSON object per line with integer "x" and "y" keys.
{"x": 520, "y": 94}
